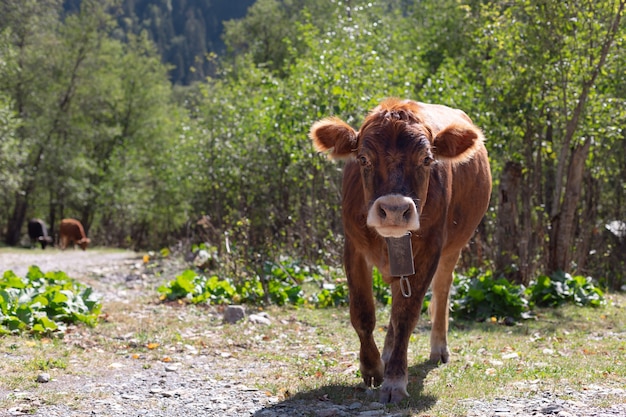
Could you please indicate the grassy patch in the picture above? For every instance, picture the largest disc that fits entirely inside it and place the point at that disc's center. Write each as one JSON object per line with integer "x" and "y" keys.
{"x": 309, "y": 354}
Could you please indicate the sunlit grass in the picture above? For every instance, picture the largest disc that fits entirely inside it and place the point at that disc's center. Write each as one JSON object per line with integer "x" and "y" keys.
{"x": 309, "y": 354}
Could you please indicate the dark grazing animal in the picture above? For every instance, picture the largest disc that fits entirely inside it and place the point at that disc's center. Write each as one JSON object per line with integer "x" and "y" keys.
{"x": 71, "y": 231}
{"x": 38, "y": 232}
{"x": 411, "y": 167}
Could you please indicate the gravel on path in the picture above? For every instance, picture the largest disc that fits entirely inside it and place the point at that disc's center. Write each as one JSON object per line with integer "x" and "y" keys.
{"x": 212, "y": 385}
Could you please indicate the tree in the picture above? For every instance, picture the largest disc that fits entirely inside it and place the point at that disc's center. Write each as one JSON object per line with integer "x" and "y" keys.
{"x": 597, "y": 24}
{"x": 11, "y": 155}
{"x": 98, "y": 129}
{"x": 31, "y": 26}
{"x": 539, "y": 65}
{"x": 262, "y": 170}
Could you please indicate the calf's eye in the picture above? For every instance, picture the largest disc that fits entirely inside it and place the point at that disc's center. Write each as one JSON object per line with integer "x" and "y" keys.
{"x": 363, "y": 160}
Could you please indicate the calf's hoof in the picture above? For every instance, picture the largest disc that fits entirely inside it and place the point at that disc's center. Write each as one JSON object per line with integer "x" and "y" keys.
{"x": 372, "y": 377}
{"x": 393, "y": 391}
{"x": 441, "y": 355}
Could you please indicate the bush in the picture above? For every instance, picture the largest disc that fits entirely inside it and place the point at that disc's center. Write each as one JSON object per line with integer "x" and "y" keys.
{"x": 476, "y": 295}
{"x": 562, "y": 288}
{"x": 198, "y": 289}
{"x": 481, "y": 296}
{"x": 44, "y": 303}
{"x": 281, "y": 283}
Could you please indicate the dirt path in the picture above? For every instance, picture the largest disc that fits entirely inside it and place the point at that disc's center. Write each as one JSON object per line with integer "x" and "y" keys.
{"x": 74, "y": 262}
{"x": 116, "y": 383}
{"x": 111, "y": 373}
{"x": 156, "y": 360}
{"x": 107, "y": 271}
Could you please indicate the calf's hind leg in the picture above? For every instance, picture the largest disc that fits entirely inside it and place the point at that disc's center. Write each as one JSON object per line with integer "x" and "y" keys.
{"x": 439, "y": 307}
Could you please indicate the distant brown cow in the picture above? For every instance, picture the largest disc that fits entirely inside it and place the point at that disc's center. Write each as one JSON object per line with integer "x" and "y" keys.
{"x": 71, "y": 230}
{"x": 411, "y": 168}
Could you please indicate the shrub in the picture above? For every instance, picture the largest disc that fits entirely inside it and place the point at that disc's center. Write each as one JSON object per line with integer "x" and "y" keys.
{"x": 476, "y": 295}
{"x": 561, "y": 288}
{"x": 198, "y": 288}
{"x": 481, "y": 296}
{"x": 44, "y": 303}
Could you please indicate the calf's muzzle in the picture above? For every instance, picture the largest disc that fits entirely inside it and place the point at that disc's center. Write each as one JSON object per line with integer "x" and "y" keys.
{"x": 393, "y": 215}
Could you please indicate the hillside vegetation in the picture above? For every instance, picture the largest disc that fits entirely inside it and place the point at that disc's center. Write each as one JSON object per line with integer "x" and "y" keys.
{"x": 96, "y": 123}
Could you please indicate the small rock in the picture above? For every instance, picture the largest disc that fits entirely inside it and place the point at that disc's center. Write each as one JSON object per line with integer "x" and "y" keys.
{"x": 327, "y": 412}
{"x": 232, "y": 314}
{"x": 355, "y": 406}
{"x": 512, "y": 355}
{"x": 509, "y": 321}
{"x": 172, "y": 367}
{"x": 371, "y": 413}
{"x": 551, "y": 409}
{"x": 375, "y": 405}
{"x": 43, "y": 377}
{"x": 261, "y": 318}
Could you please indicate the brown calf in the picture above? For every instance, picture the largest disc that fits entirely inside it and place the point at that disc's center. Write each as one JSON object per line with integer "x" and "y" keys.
{"x": 411, "y": 167}
{"x": 71, "y": 231}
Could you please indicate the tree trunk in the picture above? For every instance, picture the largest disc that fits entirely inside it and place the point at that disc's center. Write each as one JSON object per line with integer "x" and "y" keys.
{"x": 14, "y": 228}
{"x": 587, "y": 226}
{"x": 52, "y": 216}
{"x": 563, "y": 213}
{"x": 563, "y": 225}
{"x": 507, "y": 234}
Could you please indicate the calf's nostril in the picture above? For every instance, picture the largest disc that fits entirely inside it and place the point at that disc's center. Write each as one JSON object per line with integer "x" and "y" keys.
{"x": 382, "y": 212}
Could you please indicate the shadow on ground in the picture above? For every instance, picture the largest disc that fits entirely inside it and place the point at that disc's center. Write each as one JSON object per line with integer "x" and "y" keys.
{"x": 341, "y": 400}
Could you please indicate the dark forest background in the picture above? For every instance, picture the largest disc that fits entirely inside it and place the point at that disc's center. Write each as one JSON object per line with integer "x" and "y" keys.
{"x": 173, "y": 122}
{"x": 185, "y": 32}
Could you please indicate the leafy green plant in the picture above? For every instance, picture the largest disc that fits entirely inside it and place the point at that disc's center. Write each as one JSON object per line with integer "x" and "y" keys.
{"x": 279, "y": 283}
{"x": 480, "y": 296}
{"x": 382, "y": 290}
{"x": 46, "y": 364}
{"x": 198, "y": 288}
{"x": 44, "y": 303}
{"x": 331, "y": 295}
{"x": 476, "y": 295}
{"x": 562, "y": 288}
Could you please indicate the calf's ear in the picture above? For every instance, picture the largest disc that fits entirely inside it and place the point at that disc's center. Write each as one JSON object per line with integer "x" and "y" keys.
{"x": 333, "y": 133}
{"x": 457, "y": 142}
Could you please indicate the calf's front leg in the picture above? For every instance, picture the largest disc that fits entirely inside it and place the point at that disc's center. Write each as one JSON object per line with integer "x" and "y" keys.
{"x": 363, "y": 315}
{"x": 405, "y": 313}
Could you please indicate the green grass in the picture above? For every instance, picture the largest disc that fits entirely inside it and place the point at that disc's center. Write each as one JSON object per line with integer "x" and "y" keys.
{"x": 310, "y": 354}
{"x": 568, "y": 347}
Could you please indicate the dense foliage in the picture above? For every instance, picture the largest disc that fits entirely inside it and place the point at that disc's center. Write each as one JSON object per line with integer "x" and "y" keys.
{"x": 278, "y": 283}
{"x": 561, "y": 288}
{"x": 475, "y": 296}
{"x": 91, "y": 127}
{"x": 481, "y": 296}
{"x": 44, "y": 304}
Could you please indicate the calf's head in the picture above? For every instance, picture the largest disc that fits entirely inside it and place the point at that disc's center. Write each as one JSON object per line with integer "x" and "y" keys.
{"x": 84, "y": 243}
{"x": 397, "y": 147}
